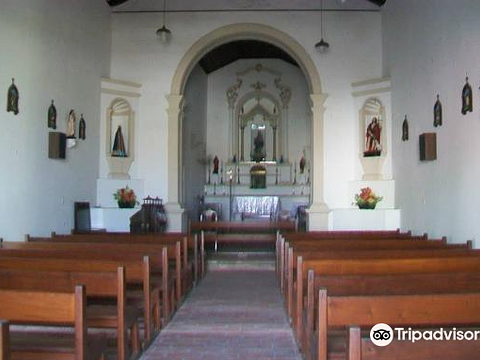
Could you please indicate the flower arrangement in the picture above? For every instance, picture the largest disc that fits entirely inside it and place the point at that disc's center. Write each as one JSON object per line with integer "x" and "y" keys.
{"x": 125, "y": 197}
{"x": 367, "y": 199}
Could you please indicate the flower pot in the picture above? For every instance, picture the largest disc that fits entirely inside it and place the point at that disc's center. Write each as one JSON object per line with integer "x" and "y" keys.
{"x": 366, "y": 205}
{"x": 126, "y": 205}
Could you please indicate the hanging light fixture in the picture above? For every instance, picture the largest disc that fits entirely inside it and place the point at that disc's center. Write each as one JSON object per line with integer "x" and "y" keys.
{"x": 164, "y": 33}
{"x": 322, "y": 45}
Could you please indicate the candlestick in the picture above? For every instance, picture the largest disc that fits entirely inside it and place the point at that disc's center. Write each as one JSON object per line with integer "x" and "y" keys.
{"x": 209, "y": 182}
{"x": 221, "y": 172}
{"x": 295, "y": 173}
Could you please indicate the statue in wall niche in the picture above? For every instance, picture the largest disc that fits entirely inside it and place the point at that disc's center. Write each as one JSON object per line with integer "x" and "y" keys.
{"x": 52, "y": 116}
{"x": 82, "y": 128}
{"x": 12, "y": 98}
{"x": 118, "y": 149}
{"x": 467, "y": 98}
{"x": 258, "y": 150}
{"x": 71, "y": 125}
{"x": 437, "y": 113}
{"x": 216, "y": 164}
{"x": 405, "y": 129}
{"x": 372, "y": 144}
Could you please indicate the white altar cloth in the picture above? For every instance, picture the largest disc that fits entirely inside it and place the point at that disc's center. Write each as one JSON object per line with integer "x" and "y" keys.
{"x": 256, "y": 205}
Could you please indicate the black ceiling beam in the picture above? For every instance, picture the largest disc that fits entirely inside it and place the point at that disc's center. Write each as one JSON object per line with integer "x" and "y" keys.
{"x": 378, "y": 2}
{"x": 116, "y": 2}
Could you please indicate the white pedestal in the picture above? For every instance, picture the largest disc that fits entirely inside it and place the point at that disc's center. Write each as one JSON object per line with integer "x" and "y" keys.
{"x": 372, "y": 167}
{"x": 112, "y": 219}
{"x": 356, "y": 219}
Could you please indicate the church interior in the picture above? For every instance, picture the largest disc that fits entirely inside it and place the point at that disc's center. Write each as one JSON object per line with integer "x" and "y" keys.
{"x": 238, "y": 179}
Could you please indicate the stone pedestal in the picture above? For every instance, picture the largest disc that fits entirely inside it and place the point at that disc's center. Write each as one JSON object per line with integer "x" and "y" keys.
{"x": 372, "y": 167}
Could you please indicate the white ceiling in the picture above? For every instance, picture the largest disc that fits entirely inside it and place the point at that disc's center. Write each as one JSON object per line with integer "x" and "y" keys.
{"x": 222, "y": 5}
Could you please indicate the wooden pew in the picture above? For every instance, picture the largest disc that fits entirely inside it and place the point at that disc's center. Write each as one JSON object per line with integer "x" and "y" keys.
{"x": 114, "y": 252}
{"x": 318, "y": 237}
{"x": 189, "y": 246}
{"x": 389, "y": 284}
{"x": 340, "y": 267}
{"x": 137, "y": 273}
{"x": 357, "y": 312}
{"x": 49, "y": 308}
{"x": 4, "y": 340}
{"x": 295, "y": 271}
{"x": 352, "y": 234}
{"x": 379, "y": 244}
{"x": 105, "y": 285}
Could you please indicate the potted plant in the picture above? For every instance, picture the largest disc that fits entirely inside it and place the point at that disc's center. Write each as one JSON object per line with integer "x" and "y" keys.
{"x": 126, "y": 198}
{"x": 367, "y": 199}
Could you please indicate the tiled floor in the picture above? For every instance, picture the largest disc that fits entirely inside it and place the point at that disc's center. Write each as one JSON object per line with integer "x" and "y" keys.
{"x": 230, "y": 315}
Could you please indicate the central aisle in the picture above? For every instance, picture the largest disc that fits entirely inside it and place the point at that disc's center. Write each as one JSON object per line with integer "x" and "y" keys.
{"x": 231, "y": 315}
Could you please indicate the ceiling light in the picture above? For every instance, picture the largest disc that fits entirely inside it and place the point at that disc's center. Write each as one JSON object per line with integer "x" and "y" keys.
{"x": 164, "y": 33}
{"x": 322, "y": 45}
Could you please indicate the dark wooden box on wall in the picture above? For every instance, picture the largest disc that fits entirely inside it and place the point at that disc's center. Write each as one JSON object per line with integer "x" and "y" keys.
{"x": 428, "y": 146}
{"x": 57, "y": 142}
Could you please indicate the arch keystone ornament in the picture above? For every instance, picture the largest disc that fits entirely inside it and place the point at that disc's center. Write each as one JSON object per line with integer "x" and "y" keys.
{"x": 318, "y": 211}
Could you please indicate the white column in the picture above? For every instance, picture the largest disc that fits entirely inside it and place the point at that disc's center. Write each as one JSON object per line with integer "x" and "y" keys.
{"x": 175, "y": 213}
{"x": 318, "y": 213}
{"x": 284, "y": 135}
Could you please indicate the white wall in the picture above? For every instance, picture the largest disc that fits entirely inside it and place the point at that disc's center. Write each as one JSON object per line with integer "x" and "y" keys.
{"x": 57, "y": 50}
{"x": 430, "y": 45}
{"x": 194, "y": 140}
{"x": 356, "y": 54}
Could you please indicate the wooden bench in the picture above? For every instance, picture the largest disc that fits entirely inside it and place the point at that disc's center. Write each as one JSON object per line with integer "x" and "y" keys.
{"x": 105, "y": 285}
{"x": 120, "y": 252}
{"x": 385, "y": 284}
{"x": 4, "y": 340}
{"x": 295, "y": 270}
{"x": 137, "y": 272}
{"x": 190, "y": 247}
{"x": 49, "y": 308}
{"x": 361, "y": 267}
{"x": 324, "y": 245}
{"x": 415, "y": 311}
{"x": 319, "y": 237}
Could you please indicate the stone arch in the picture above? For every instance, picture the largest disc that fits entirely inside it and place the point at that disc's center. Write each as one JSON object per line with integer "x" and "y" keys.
{"x": 318, "y": 212}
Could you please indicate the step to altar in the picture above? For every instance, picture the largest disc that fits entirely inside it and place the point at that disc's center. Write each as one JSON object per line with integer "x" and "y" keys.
{"x": 241, "y": 260}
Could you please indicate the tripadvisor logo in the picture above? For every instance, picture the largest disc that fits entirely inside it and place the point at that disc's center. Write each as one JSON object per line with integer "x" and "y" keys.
{"x": 381, "y": 334}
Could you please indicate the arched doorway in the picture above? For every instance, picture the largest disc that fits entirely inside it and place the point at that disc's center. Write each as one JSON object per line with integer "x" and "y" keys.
{"x": 318, "y": 211}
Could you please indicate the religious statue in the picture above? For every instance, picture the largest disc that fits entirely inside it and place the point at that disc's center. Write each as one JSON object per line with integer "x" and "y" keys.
{"x": 258, "y": 144}
{"x": 119, "y": 144}
{"x": 437, "y": 113}
{"x": 216, "y": 163}
{"x": 12, "y": 98}
{"x": 372, "y": 144}
{"x": 71, "y": 125}
{"x": 405, "y": 129}
{"x": 82, "y": 127}
{"x": 467, "y": 98}
{"x": 302, "y": 165}
{"x": 52, "y": 116}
